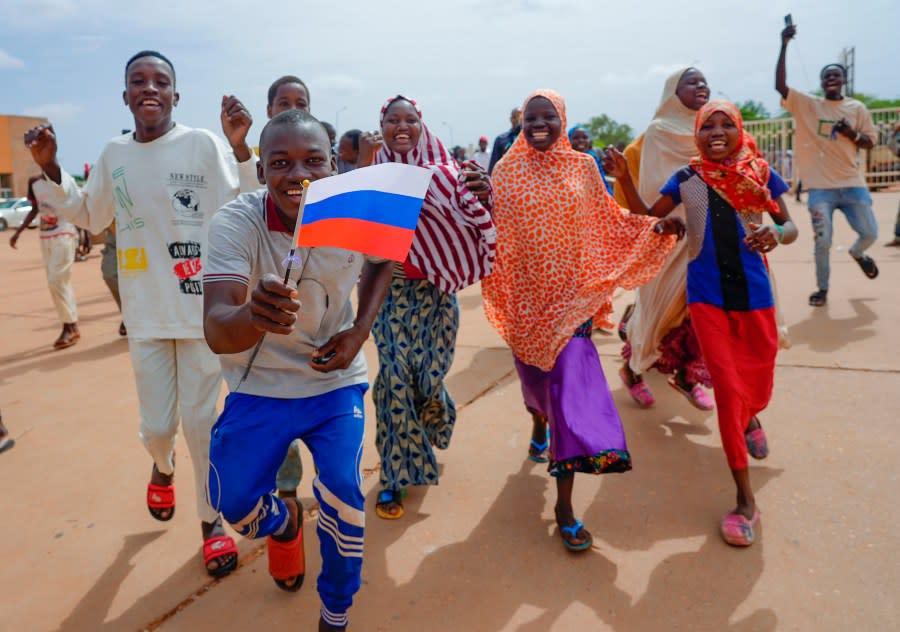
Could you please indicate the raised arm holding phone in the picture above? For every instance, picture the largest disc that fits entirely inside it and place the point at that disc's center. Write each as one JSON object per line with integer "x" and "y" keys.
{"x": 830, "y": 131}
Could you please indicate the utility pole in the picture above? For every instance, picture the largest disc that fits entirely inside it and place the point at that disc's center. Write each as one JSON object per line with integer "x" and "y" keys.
{"x": 848, "y": 61}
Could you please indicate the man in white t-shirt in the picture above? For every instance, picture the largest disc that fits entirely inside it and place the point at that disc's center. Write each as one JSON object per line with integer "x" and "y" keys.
{"x": 162, "y": 184}
{"x": 830, "y": 131}
{"x": 482, "y": 156}
{"x": 58, "y": 244}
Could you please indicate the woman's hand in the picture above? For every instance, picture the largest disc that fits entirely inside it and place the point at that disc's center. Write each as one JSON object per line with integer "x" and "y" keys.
{"x": 477, "y": 179}
{"x": 670, "y": 226}
{"x": 762, "y": 238}
{"x": 614, "y": 163}
{"x": 369, "y": 144}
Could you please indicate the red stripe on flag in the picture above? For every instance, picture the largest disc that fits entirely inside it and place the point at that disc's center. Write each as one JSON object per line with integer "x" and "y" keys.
{"x": 371, "y": 238}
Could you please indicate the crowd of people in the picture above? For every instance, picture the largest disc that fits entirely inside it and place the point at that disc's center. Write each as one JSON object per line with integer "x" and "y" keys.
{"x": 201, "y": 227}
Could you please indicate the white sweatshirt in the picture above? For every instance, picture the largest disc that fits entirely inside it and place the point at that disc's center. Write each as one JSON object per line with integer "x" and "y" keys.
{"x": 162, "y": 195}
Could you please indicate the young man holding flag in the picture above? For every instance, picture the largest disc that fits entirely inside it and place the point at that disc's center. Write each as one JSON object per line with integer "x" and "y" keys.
{"x": 308, "y": 379}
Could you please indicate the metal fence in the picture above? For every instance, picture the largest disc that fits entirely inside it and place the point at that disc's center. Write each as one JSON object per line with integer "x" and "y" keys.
{"x": 881, "y": 164}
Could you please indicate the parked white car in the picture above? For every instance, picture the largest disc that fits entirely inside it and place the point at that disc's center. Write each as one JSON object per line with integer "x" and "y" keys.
{"x": 13, "y": 213}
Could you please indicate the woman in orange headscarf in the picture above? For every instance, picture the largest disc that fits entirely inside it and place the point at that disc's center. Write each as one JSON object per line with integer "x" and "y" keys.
{"x": 726, "y": 191}
{"x": 563, "y": 246}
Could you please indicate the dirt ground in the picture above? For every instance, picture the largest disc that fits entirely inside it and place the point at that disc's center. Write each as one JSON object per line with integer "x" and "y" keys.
{"x": 480, "y": 551}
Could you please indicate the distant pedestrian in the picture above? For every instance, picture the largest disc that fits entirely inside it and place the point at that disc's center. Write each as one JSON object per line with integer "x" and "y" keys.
{"x": 348, "y": 151}
{"x": 59, "y": 242}
{"x": 481, "y": 155}
{"x": 505, "y": 140}
{"x": 581, "y": 141}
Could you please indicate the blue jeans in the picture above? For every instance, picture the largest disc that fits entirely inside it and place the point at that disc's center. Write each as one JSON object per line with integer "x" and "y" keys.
{"x": 856, "y": 204}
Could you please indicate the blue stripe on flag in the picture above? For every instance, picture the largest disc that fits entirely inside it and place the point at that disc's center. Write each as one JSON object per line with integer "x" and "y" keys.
{"x": 392, "y": 209}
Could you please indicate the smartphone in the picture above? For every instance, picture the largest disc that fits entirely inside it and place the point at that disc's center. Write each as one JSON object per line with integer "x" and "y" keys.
{"x": 31, "y": 136}
{"x": 788, "y": 20}
{"x": 325, "y": 359}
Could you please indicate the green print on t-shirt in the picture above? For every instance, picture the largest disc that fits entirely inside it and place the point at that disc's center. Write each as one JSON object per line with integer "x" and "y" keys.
{"x": 826, "y": 128}
{"x": 124, "y": 201}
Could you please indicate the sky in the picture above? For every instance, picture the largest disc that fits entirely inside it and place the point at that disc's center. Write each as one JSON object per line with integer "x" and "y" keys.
{"x": 467, "y": 62}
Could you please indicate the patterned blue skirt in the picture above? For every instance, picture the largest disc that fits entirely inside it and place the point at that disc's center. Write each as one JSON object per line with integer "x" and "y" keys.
{"x": 415, "y": 332}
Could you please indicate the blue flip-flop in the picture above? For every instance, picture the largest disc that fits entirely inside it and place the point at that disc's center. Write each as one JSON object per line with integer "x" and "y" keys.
{"x": 572, "y": 531}
{"x": 6, "y": 443}
{"x": 541, "y": 448}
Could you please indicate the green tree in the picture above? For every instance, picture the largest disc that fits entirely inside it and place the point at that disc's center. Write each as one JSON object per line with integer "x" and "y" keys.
{"x": 874, "y": 103}
{"x": 605, "y": 131}
{"x": 753, "y": 110}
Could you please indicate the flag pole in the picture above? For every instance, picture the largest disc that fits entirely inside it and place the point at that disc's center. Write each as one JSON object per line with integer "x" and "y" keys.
{"x": 288, "y": 262}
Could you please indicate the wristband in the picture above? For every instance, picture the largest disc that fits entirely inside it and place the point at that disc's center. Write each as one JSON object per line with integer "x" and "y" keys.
{"x": 780, "y": 230}
{"x": 856, "y": 136}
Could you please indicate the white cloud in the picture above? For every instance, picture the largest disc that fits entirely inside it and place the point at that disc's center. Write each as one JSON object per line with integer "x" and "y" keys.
{"x": 55, "y": 112}
{"x": 7, "y": 61}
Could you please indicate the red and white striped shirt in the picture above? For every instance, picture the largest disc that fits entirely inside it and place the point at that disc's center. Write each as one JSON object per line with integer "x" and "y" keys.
{"x": 455, "y": 240}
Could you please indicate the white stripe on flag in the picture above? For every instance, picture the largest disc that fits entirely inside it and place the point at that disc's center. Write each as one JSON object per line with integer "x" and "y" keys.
{"x": 388, "y": 177}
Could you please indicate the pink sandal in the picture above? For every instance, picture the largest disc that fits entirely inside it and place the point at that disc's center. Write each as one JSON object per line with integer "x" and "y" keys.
{"x": 737, "y": 530}
{"x": 639, "y": 391}
{"x": 757, "y": 444}
{"x": 696, "y": 396}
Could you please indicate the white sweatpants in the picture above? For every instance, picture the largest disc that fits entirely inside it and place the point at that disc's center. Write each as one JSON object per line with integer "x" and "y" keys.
{"x": 59, "y": 255}
{"x": 178, "y": 379}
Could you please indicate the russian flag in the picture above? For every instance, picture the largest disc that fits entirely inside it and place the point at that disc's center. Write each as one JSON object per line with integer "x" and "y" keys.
{"x": 373, "y": 210}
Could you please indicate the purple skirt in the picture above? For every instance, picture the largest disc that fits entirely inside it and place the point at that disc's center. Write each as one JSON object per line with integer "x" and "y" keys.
{"x": 586, "y": 433}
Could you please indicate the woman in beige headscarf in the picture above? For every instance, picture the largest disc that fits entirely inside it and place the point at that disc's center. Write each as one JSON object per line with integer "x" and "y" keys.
{"x": 659, "y": 333}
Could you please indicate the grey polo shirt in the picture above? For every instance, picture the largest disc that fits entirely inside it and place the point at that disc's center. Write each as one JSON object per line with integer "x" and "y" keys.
{"x": 248, "y": 240}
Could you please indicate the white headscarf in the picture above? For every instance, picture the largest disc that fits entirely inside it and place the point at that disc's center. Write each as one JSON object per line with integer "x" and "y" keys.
{"x": 668, "y": 141}
{"x": 661, "y": 304}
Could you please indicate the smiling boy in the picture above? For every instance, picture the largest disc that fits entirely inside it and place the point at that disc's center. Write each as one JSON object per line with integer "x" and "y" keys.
{"x": 162, "y": 183}
{"x": 310, "y": 375}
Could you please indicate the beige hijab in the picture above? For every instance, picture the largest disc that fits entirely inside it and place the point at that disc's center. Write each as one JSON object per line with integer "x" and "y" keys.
{"x": 661, "y": 304}
{"x": 668, "y": 142}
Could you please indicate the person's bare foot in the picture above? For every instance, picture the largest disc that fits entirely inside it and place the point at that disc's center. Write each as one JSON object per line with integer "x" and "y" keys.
{"x": 163, "y": 480}
{"x": 537, "y": 449}
{"x": 211, "y": 530}
{"x": 565, "y": 520}
{"x": 68, "y": 337}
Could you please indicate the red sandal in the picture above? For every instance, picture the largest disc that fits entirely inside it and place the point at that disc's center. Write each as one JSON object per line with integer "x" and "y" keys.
{"x": 287, "y": 560}
{"x": 216, "y": 548}
{"x": 160, "y": 498}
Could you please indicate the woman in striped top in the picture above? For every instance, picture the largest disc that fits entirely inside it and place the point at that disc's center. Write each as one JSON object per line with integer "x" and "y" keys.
{"x": 415, "y": 331}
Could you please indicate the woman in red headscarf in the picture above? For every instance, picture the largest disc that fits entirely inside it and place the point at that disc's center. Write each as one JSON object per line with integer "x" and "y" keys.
{"x": 726, "y": 191}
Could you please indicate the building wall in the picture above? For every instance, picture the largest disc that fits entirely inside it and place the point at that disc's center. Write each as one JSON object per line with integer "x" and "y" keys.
{"x": 15, "y": 158}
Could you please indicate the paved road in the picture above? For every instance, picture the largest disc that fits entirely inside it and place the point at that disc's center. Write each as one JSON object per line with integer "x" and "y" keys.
{"x": 480, "y": 552}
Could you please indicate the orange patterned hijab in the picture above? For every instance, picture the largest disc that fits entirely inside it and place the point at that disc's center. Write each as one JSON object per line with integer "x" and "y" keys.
{"x": 563, "y": 246}
{"x": 742, "y": 179}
